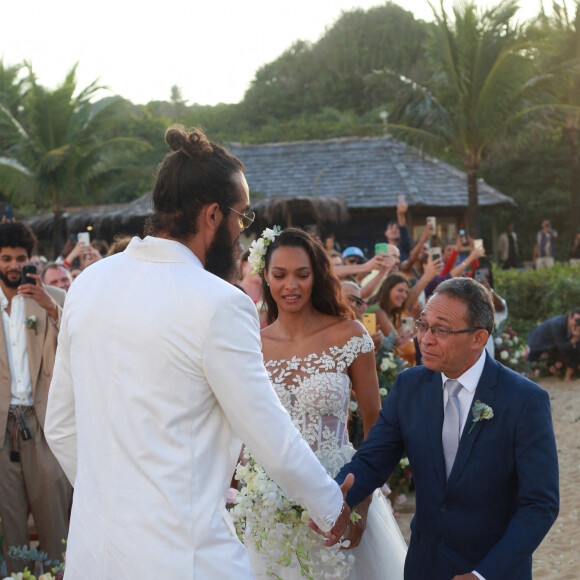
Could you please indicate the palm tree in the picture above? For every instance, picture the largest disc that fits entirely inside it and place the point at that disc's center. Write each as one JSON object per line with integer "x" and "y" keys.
{"x": 11, "y": 98}
{"x": 10, "y": 101}
{"x": 561, "y": 59}
{"x": 57, "y": 150}
{"x": 483, "y": 79}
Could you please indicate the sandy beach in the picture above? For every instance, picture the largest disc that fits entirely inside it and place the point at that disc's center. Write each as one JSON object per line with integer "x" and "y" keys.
{"x": 558, "y": 557}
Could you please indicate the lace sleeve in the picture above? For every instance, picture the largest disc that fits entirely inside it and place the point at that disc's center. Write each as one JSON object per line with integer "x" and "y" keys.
{"x": 355, "y": 346}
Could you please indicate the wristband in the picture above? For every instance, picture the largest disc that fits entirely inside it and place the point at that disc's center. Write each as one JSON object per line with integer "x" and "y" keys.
{"x": 66, "y": 263}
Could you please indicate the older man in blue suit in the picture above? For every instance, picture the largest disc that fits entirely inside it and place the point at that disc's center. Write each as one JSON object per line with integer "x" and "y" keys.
{"x": 481, "y": 443}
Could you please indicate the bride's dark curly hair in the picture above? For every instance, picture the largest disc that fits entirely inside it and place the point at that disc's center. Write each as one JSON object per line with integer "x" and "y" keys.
{"x": 195, "y": 173}
{"x": 327, "y": 295}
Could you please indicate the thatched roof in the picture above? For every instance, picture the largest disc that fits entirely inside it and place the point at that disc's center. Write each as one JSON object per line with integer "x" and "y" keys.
{"x": 300, "y": 209}
{"x": 310, "y": 182}
{"x": 106, "y": 220}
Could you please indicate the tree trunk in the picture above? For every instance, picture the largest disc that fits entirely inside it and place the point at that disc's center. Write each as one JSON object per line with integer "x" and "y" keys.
{"x": 472, "y": 195}
{"x": 572, "y": 135}
{"x": 57, "y": 242}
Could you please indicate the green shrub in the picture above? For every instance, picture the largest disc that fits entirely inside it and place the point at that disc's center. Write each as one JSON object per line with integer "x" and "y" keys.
{"x": 534, "y": 296}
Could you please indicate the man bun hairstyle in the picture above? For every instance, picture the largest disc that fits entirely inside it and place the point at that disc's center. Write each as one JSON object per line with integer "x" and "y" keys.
{"x": 194, "y": 174}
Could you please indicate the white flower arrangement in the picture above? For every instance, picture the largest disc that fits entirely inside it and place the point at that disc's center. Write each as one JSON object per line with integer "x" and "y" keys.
{"x": 260, "y": 246}
{"x": 388, "y": 363}
{"x": 278, "y": 527}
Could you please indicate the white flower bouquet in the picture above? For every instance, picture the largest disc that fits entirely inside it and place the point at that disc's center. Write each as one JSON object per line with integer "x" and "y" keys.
{"x": 278, "y": 528}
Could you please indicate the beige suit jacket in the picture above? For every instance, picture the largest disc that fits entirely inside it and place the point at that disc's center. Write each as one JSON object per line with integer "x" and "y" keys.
{"x": 41, "y": 355}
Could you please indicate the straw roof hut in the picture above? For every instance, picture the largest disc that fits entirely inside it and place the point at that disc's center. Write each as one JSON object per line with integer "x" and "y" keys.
{"x": 348, "y": 185}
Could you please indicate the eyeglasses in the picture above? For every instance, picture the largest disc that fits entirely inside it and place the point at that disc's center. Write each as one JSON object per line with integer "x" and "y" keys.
{"x": 352, "y": 260}
{"x": 441, "y": 331}
{"x": 358, "y": 301}
{"x": 246, "y": 219}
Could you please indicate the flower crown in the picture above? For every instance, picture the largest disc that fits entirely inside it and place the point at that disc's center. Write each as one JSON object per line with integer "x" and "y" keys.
{"x": 257, "y": 257}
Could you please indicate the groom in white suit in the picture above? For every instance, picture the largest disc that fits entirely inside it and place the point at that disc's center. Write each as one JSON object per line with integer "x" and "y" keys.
{"x": 158, "y": 377}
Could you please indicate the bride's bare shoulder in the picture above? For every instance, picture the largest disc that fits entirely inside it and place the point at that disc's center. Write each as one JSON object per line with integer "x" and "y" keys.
{"x": 269, "y": 332}
{"x": 337, "y": 333}
{"x": 349, "y": 328}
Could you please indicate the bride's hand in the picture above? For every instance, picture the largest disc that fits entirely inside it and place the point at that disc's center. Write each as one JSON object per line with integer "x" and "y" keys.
{"x": 355, "y": 530}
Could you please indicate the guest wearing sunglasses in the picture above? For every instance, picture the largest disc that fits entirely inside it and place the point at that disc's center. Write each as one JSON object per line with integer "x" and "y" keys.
{"x": 352, "y": 292}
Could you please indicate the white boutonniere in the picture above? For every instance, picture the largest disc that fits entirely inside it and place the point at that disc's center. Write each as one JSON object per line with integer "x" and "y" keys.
{"x": 480, "y": 412}
{"x": 31, "y": 322}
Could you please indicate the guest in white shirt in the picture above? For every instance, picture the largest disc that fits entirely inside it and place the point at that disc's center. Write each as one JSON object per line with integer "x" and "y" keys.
{"x": 30, "y": 476}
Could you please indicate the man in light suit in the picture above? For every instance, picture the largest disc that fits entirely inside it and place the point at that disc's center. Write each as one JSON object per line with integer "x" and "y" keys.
{"x": 487, "y": 495}
{"x": 159, "y": 374}
{"x": 30, "y": 477}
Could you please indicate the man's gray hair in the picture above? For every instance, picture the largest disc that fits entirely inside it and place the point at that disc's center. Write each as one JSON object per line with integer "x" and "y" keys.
{"x": 480, "y": 310}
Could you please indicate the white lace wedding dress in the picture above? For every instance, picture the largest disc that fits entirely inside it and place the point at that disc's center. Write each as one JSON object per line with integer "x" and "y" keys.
{"x": 316, "y": 392}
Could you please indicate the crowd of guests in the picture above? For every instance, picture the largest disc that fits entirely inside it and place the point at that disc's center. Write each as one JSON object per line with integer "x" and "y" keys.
{"x": 543, "y": 254}
{"x": 386, "y": 291}
{"x": 309, "y": 295}
{"x": 389, "y": 289}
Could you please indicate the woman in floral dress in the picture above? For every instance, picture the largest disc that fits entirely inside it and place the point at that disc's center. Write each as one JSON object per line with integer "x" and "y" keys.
{"x": 315, "y": 352}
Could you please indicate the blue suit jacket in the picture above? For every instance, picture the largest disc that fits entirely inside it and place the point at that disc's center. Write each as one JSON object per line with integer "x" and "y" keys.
{"x": 502, "y": 494}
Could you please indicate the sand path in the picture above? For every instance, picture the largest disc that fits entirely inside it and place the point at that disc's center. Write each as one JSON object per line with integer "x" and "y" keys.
{"x": 558, "y": 557}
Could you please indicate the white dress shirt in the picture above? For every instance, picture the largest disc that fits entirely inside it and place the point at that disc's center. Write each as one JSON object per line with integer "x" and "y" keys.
{"x": 468, "y": 380}
{"x": 17, "y": 349}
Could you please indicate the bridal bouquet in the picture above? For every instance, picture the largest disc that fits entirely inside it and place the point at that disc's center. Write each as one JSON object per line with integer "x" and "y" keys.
{"x": 278, "y": 528}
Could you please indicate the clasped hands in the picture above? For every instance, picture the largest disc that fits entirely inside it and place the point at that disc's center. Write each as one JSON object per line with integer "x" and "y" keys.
{"x": 343, "y": 520}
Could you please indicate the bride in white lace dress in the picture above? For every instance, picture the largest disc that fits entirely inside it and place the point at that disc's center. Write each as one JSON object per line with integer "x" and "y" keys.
{"x": 315, "y": 352}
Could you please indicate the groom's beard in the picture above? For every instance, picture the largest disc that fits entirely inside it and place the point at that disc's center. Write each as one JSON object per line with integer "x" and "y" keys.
{"x": 222, "y": 254}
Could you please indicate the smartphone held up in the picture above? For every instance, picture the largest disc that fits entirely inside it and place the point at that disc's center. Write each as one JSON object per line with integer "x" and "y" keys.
{"x": 84, "y": 237}
{"x": 435, "y": 253}
{"x": 369, "y": 321}
{"x": 381, "y": 248}
{"x": 464, "y": 238}
{"x": 26, "y": 270}
{"x": 431, "y": 222}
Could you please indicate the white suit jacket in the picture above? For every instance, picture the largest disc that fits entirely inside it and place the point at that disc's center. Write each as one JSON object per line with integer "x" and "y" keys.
{"x": 159, "y": 376}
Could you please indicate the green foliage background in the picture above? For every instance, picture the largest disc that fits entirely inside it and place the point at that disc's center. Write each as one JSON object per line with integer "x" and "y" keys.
{"x": 338, "y": 87}
{"x": 534, "y": 296}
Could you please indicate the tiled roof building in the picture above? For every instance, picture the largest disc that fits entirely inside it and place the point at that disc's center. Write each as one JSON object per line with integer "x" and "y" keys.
{"x": 366, "y": 172}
